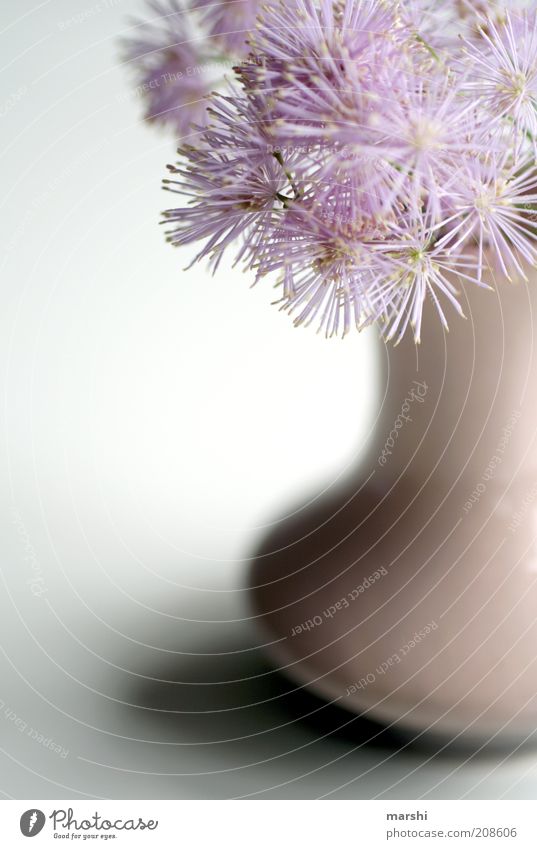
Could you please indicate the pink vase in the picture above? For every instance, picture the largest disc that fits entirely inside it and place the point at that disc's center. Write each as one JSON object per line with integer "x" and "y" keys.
{"x": 410, "y": 593}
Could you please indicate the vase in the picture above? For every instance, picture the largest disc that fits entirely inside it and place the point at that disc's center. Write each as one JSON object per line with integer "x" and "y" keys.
{"x": 408, "y": 594}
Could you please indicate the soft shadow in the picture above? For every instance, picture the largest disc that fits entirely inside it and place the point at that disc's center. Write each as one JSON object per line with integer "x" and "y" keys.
{"x": 235, "y": 696}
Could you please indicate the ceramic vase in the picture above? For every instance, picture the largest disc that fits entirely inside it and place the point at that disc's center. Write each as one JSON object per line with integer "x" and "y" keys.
{"x": 408, "y": 594}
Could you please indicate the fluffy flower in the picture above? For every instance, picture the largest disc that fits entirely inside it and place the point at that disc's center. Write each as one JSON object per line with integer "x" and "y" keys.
{"x": 371, "y": 158}
{"x": 175, "y": 64}
{"x": 235, "y": 179}
{"x": 504, "y": 71}
{"x": 311, "y": 54}
{"x": 229, "y": 21}
{"x": 417, "y": 266}
{"x": 441, "y": 23}
{"x": 495, "y": 207}
{"x": 428, "y": 130}
{"x": 327, "y": 268}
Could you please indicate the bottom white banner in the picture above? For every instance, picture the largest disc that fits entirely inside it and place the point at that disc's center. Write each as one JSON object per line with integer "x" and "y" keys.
{"x": 264, "y": 824}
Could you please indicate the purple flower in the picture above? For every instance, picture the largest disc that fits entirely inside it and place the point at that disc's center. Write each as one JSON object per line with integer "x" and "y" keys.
{"x": 440, "y": 23}
{"x": 309, "y": 51}
{"x": 175, "y": 65}
{"x": 435, "y": 23}
{"x": 504, "y": 71}
{"x": 235, "y": 180}
{"x": 494, "y": 204}
{"x": 370, "y": 158}
{"x": 427, "y": 130}
{"x": 326, "y": 268}
{"x": 418, "y": 267}
{"x": 229, "y": 21}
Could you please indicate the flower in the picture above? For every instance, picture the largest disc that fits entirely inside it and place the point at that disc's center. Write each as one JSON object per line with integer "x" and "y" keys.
{"x": 175, "y": 64}
{"x": 370, "y": 158}
{"x": 326, "y": 265}
{"x": 427, "y": 130}
{"x": 417, "y": 266}
{"x": 440, "y": 23}
{"x": 229, "y": 21}
{"x": 504, "y": 71}
{"x": 311, "y": 53}
{"x": 433, "y": 22}
{"x": 494, "y": 207}
{"x": 235, "y": 179}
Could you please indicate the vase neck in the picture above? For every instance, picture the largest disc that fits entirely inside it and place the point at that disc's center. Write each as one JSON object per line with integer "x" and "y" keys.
{"x": 464, "y": 399}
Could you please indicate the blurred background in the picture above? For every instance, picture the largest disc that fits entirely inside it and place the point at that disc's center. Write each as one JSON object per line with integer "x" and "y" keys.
{"x": 155, "y": 422}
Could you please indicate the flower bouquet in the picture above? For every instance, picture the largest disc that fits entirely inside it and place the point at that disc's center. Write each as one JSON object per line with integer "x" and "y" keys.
{"x": 377, "y": 160}
{"x": 370, "y": 153}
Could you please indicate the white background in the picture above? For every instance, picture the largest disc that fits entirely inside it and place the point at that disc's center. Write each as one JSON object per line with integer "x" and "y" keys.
{"x": 154, "y": 423}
